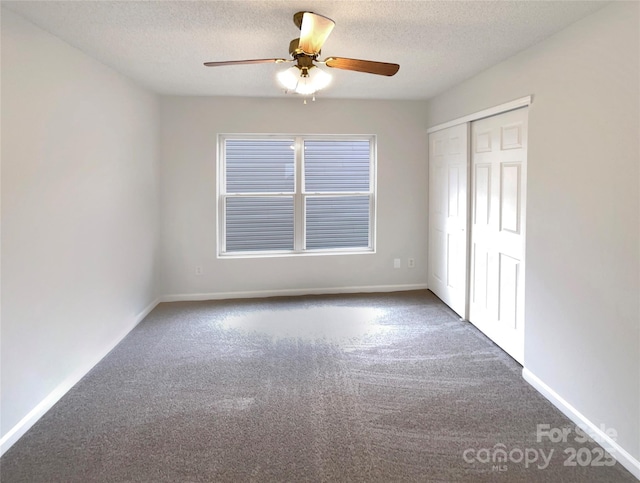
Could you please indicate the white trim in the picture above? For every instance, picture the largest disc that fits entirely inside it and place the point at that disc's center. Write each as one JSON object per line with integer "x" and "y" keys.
{"x": 289, "y": 292}
{"x": 15, "y": 433}
{"x": 492, "y": 111}
{"x": 597, "y": 434}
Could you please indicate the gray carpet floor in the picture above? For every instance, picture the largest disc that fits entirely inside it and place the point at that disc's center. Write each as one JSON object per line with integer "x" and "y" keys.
{"x": 371, "y": 387}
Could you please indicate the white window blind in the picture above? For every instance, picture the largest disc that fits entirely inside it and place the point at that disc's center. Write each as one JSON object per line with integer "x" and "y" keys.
{"x": 296, "y": 194}
{"x": 260, "y": 166}
{"x": 337, "y": 166}
{"x": 259, "y": 223}
{"x": 337, "y": 222}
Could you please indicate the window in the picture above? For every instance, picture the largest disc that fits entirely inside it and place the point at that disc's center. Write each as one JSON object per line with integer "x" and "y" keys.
{"x": 295, "y": 194}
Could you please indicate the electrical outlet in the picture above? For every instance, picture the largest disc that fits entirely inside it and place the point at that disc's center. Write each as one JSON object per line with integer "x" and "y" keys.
{"x": 199, "y": 270}
{"x": 397, "y": 263}
{"x": 411, "y": 263}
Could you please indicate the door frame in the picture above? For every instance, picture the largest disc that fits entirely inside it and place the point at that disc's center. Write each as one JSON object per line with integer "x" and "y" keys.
{"x": 491, "y": 111}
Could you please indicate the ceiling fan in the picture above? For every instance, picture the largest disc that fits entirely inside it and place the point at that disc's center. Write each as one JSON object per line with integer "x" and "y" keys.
{"x": 305, "y": 77}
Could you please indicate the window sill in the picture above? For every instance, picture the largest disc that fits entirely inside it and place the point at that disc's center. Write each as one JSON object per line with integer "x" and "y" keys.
{"x": 319, "y": 253}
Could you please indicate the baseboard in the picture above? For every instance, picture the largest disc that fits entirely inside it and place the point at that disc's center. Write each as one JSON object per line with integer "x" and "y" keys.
{"x": 15, "y": 433}
{"x": 290, "y": 292}
{"x": 595, "y": 432}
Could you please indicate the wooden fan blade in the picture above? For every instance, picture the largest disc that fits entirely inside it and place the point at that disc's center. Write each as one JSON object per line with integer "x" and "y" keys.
{"x": 314, "y": 31}
{"x": 368, "y": 66}
{"x": 251, "y": 61}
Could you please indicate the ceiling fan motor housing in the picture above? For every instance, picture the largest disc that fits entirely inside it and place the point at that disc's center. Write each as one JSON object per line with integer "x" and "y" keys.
{"x": 296, "y": 51}
{"x": 304, "y": 61}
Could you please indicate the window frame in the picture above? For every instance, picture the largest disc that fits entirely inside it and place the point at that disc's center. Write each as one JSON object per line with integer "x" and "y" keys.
{"x": 299, "y": 195}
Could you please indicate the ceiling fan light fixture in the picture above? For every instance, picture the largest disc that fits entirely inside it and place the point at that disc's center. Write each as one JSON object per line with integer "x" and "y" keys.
{"x": 304, "y": 81}
{"x": 288, "y": 78}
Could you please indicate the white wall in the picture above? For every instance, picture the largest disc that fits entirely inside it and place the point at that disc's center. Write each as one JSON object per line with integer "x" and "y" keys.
{"x": 188, "y": 151}
{"x": 582, "y": 281}
{"x": 80, "y": 219}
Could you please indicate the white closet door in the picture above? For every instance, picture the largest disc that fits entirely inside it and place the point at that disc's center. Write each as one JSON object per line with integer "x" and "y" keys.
{"x": 448, "y": 216}
{"x": 499, "y": 170}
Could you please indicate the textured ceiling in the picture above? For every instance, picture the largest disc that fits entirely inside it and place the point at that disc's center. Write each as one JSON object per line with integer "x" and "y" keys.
{"x": 162, "y": 44}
